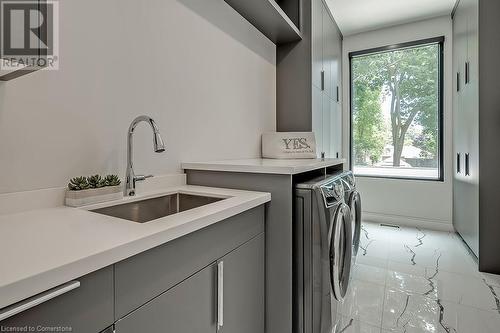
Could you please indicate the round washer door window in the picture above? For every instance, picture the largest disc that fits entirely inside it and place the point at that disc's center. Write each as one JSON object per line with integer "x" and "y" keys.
{"x": 340, "y": 251}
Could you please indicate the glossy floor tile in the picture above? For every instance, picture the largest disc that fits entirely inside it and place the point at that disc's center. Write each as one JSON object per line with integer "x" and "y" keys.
{"x": 414, "y": 280}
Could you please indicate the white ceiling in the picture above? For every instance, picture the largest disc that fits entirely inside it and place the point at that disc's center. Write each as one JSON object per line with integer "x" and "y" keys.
{"x": 354, "y": 16}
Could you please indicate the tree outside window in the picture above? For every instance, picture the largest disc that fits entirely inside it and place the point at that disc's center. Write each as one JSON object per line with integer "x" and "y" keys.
{"x": 396, "y": 108}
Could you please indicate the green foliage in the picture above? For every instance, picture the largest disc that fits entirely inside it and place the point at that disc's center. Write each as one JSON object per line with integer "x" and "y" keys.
{"x": 78, "y": 183}
{"x": 112, "y": 180}
{"x": 368, "y": 126}
{"x": 95, "y": 181}
{"x": 409, "y": 79}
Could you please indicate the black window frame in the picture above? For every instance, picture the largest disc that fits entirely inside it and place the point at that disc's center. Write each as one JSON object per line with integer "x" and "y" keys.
{"x": 422, "y": 42}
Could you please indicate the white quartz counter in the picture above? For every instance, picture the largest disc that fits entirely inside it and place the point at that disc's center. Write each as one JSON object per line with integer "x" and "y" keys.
{"x": 42, "y": 249}
{"x": 264, "y": 165}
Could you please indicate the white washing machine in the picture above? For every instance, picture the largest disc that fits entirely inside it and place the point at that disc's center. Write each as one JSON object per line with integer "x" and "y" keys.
{"x": 322, "y": 254}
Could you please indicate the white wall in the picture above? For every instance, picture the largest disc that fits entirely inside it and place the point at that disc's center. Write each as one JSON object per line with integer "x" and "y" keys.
{"x": 196, "y": 66}
{"x": 409, "y": 202}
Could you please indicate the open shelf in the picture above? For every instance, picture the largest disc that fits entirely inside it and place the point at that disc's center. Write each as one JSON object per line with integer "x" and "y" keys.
{"x": 269, "y": 18}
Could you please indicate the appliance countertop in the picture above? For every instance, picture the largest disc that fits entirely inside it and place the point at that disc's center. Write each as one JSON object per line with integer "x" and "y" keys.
{"x": 264, "y": 165}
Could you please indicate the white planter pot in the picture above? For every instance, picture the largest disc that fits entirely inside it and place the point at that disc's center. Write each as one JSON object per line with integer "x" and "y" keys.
{"x": 93, "y": 196}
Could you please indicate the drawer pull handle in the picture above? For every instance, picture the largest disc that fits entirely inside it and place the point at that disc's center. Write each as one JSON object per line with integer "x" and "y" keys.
{"x": 220, "y": 295}
{"x": 467, "y": 164}
{"x": 37, "y": 300}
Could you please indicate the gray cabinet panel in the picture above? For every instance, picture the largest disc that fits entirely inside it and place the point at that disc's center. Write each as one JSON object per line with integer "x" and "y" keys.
{"x": 189, "y": 307}
{"x": 87, "y": 309}
{"x": 336, "y": 129}
{"x": 278, "y": 237}
{"x": 326, "y": 124}
{"x": 329, "y": 30}
{"x": 317, "y": 118}
{"x": 146, "y": 275}
{"x": 466, "y": 124}
{"x": 110, "y": 329}
{"x": 244, "y": 302}
{"x": 317, "y": 43}
{"x": 299, "y": 76}
{"x": 489, "y": 134}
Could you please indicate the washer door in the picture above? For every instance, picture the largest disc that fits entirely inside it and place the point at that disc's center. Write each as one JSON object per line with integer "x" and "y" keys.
{"x": 340, "y": 251}
{"x": 355, "y": 207}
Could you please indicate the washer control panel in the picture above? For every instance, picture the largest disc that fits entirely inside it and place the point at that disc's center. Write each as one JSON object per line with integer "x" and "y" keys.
{"x": 333, "y": 192}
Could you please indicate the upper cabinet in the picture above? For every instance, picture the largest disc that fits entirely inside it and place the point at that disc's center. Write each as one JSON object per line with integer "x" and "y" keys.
{"x": 309, "y": 80}
{"x": 277, "y": 20}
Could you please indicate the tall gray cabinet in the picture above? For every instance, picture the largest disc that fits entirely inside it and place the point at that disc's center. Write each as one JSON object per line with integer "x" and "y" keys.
{"x": 476, "y": 123}
{"x": 309, "y": 79}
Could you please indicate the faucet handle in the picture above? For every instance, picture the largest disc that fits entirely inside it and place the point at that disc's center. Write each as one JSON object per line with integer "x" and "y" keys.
{"x": 140, "y": 178}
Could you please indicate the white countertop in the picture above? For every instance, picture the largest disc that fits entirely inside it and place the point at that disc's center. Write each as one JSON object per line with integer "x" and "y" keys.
{"x": 264, "y": 165}
{"x": 44, "y": 248}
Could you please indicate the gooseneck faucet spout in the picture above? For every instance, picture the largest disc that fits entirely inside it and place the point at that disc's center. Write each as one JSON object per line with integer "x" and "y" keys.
{"x": 158, "y": 147}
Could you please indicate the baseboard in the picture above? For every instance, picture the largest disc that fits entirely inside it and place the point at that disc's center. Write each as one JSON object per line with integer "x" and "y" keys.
{"x": 408, "y": 221}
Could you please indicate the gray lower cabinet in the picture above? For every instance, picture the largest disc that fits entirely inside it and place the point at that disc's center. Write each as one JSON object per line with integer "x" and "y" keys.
{"x": 226, "y": 296}
{"x": 143, "y": 277}
{"x": 243, "y": 288}
{"x": 86, "y": 309}
{"x": 189, "y": 307}
{"x": 212, "y": 279}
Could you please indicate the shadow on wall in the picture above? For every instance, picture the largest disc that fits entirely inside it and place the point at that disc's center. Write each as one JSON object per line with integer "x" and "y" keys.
{"x": 224, "y": 17}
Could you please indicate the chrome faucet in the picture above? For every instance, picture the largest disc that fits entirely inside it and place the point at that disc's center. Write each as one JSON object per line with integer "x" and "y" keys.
{"x": 158, "y": 147}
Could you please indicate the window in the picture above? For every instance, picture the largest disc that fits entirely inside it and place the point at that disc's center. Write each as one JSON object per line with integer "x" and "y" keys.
{"x": 397, "y": 111}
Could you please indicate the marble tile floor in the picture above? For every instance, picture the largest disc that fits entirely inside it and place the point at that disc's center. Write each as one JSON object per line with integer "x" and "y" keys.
{"x": 413, "y": 280}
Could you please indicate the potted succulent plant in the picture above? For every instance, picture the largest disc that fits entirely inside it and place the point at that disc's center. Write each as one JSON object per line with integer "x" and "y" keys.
{"x": 93, "y": 189}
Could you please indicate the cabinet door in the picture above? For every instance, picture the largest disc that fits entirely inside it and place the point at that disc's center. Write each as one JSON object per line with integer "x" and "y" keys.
{"x": 336, "y": 130}
{"x": 329, "y": 52}
{"x": 328, "y": 109}
{"x": 317, "y": 118}
{"x": 317, "y": 42}
{"x": 188, "y": 307}
{"x": 466, "y": 126}
{"x": 243, "y": 289}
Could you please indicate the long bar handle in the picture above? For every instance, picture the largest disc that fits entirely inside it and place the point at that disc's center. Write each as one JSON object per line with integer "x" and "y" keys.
{"x": 37, "y": 300}
{"x": 467, "y": 72}
{"x": 459, "y": 162}
{"x": 322, "y": 80}
{"x": 467, "y": 164}
{"x": 220, "y": 295}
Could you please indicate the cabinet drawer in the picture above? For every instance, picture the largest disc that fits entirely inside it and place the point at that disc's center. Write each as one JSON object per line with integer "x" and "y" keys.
{"x": 186, "y": 308}
{"x": 86, "y": 309}
{"x": 147, "y": 275}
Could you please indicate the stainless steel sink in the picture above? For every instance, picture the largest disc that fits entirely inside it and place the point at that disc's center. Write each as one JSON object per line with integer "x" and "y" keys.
{"x": 151, "y": 209}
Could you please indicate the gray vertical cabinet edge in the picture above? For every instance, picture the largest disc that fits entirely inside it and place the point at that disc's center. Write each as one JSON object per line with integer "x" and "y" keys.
{"x": 244, "y": 288}
{"x": 278, "y": 236}
{"x": 489, "y": 135}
